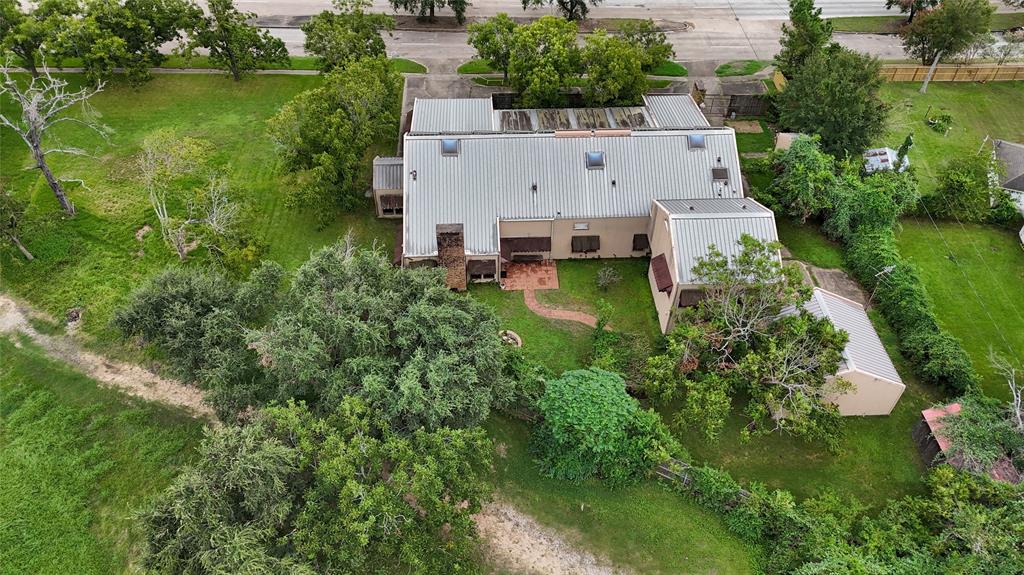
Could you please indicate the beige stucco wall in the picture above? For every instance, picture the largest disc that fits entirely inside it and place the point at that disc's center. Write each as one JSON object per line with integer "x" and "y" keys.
{"x": 661, "y": 243}
{"x": 616, "y": 235}
{"x": 376, "y": 202}
{"x": 869, "y": 396}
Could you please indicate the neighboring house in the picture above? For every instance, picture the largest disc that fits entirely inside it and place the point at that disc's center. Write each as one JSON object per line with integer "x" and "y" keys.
{"x": 866, "y": 365}
{"x": 882, "y": 160}
{"x": 934, "y": 446}
{"x": 483, "y": 187}
{"x": 1011, "y": 155}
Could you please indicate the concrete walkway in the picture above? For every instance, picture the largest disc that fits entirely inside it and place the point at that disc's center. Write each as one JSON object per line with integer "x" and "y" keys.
{"x": 530, "y": 296}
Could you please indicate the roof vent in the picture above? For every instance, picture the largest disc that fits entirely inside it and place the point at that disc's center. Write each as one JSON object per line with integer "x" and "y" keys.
{"x": 720, "y": 174}
{"x": 449, "y": 147}
{"x": 595, "y": 160}
{"x": 695, "y": 141}
{"x": 533, "y": 188}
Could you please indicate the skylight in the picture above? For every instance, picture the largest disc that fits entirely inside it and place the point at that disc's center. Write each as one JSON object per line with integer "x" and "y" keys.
{"x": 449, "y": 147}
{"x": 695, "y": 141}
{"x": 720, "y": 174}
{"x": 595, "y": 160}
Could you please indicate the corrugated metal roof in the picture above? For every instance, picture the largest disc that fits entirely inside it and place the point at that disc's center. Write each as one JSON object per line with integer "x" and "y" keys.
{"x": 1012, "y": 156}
{"x": 451, "y": 115}
{"x": 494, "y": 176}
{"x": 740, "y": 207}
{"x": 675, "y": 111}
{"x": 694, "y": 231}
{"x": 387, "y": 173}
{"x": 864, "y": 352}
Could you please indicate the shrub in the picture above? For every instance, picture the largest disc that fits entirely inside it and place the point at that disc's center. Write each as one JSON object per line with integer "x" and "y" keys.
{"x": 966, "y": 189}
{"x": 940, "y": 359}
{"x": 607, "y": 277}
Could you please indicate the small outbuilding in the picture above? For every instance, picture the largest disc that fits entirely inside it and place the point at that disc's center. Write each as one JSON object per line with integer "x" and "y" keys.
{"x": 934, "y": 446}
{"x": 883, "y": 160}
{"x": 1011, "y": 155}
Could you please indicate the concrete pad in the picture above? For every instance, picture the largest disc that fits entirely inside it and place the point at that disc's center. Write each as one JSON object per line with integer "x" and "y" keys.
{"x": 839, "y": 282}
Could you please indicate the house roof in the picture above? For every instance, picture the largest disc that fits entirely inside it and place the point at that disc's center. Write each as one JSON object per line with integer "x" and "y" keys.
{"x": 451, "y": 115}
{"x": 387, "y": 173}
{"x": 545, "y": 176}
{"x": 864, "y": 351}
{"x": 675, "y": 111}
{"x": 696, "y": 224}
{"x": 1012, "y": 156}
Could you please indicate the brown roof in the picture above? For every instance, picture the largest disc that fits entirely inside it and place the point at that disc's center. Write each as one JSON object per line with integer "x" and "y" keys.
{"x": 662, "y": 277}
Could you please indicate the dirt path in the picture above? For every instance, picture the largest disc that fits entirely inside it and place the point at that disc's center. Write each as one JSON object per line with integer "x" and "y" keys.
{"x": 515, "y": 541}
{"x": 128, "y": 378}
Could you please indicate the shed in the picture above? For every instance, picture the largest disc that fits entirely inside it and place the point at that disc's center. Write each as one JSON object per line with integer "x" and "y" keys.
{"x": 882, "y": 160}
{"x": 933, "y": 445}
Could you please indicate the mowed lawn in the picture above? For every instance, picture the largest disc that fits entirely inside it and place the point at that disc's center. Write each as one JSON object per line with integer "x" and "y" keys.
{"x": 77, "y": 462}
{"x": 993, "y": 109}
{"x": 975, "y": 276}
{"x": 93, "y": 260}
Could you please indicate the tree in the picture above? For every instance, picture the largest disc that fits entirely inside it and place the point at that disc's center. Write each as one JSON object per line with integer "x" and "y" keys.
{"x": 877, "y": 202}
{"x": 12, "y": 215}
{"x": 966, "y": 188}
{"x": 323, "y": 134}
{"x": 910, "y": 7}
{"x": 807, "y": 34}
{"x": 493, "y": 41}
{"x": 1005, "y": 368}
{"x": 593, "y": 428}
{"x": 1012, "y": 46}
{"x": 651, "y": 41}
{"x": 835, "y": 95}
{"x": 43, "y": 104}
{"x": 574, "y": 10}
{"x": 236, "y": 45}
{"x": 946, "y": 30}
{"x": 902, "y": 154}
{"x": 544, "y": 59}
{"x": 614, "y": 71}
{"x": 425, "y": 8}
{"x": 291, "y": 492}
{"x": 353, "y": 324}
{"x": 806, "y": 178}
{"x": 337, "y": 39}
{"x": 33, "y": 36}
{"x": 983, "y": 433}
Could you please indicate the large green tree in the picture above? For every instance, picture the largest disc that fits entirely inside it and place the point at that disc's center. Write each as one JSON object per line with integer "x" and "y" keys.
{"x": 544, "y": 59}
{"x": 835, "y": 95}
{"x": 575, "y": 10}
{"x": 426, "y": 8}
{"x": 295, "y": 493}
{"x": 967, "y": 190}
{"x": 33, "y": 34}
{"x": 339, "y": 38}
{"x": 947, "y": 30}
{"x": 650, "y": 40}
{"x": 910, "y": 7}
{"x": 323, "y": 134}
{"x": 493, "y": 41}
{"x": 235, "y": 44}
{"x": 614, "y": 69}
{"x": 805, "y": 34}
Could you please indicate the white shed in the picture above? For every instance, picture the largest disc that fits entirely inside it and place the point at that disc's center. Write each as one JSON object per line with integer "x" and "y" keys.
{"x": 883, "y": 159}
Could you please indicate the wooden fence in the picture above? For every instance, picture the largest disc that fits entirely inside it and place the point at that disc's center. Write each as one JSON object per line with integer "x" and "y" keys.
{"x": 954, "y": 73}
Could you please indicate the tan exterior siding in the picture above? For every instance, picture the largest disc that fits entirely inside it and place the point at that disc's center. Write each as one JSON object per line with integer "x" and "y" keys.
{"x": 661, "y": 243}
{"x": 616, "y": 235}
{"x": 870, "y": 395}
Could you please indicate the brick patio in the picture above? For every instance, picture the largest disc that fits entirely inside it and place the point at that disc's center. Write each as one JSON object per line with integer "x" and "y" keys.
{"x": 530, "y": 276}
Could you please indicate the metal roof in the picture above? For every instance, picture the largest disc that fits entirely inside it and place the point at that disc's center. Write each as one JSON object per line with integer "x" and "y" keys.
{"x": 387, "y": 173}
{"x": 718, "y": 222}
{"x": 494, "y": 175}
{"x": 864, "y": 352}
{"x": 1012, "y": 156}
{"x": 451, "y": 115}
{"x": 675, "y": 111}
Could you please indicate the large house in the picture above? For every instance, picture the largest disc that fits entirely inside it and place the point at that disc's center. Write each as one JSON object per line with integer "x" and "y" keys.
{"x": 479, "y": 187}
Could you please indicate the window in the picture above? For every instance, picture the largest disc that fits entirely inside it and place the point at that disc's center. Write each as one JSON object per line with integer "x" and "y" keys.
{"x": 449, "y": 147}
{"x": 586, "y": 244}
{"x": 641, "y": 243}
{"x": 695, "y": 141}
{"x": 595, "y": 160}
{"x": 581, "y": 226}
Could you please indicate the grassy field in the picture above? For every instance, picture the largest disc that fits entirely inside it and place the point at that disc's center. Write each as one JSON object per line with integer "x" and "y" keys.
{"x": 741, "y": 68}
{"x": 807, "y": 244}
{"x": 403, "y": 65}
{"x": 669, "y": 69}
{"x": 94, "y": 259}
{"x": 892, "y": 24}
{"x": 645, "y": 527}
{"x": 760, "y": 142}
{"x": 989, "y": 309}
{"x": 477, "y": 66}
{"x": 78, "y": 460}
{"x": 978, "y": 110}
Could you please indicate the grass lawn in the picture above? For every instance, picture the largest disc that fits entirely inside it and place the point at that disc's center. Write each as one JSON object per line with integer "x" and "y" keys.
{"x": 645, "y": 527}
{"x": 406, "y": 66}
{"x": 762, "y": 142}
{"x": 892, "y": 24}
{"x": 297, "y": 63}
{"x": 741, "y": 68}
{"x": 78, "y": 460}
{"x": 94, "y": 259}
{"x": 477, "y": 66}
{"x": 669, "y": 69}
{"x": 808, "y": 244}
{"x": 993, "y": 260}
{"x": 978, "y": 110}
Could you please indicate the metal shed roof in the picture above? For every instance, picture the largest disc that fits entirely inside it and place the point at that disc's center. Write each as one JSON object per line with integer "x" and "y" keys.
{"x": 387, "y": 173}
{"x": 451, "y": 115}
{"x": 494, "y": 177}
{"x": 718, "y": 222}
{"x": 864, "y": 352}
{"x": 1012, "y": 156}
{"x": 675, "y": 111}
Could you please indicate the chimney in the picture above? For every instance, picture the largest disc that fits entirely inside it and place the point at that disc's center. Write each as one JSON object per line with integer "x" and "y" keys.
{"x": 451, "y": 254}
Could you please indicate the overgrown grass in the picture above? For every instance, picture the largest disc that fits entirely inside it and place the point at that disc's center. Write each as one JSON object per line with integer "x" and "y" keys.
{"x": 892, "y": 24}
{"x": 78, "y": 460}
{"x": 94, "y": 260}
{"x": 646, "y": 528}
{"x": 669, "y": 69}
{"x": 979, "y": 110}
{"x": 741, "y": 68}
{"x": 975, "y": 276}
{"x": 807, "y": 244}
{"x": 477, "y": 66}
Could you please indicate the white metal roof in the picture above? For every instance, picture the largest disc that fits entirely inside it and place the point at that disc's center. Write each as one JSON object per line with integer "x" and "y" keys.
{"x": 387, "y": 173}
{"x": 493, "y": 177}
{"x": 451, "y": 115}
{"x": 675, "y": 111}
{"x": 864, "y": 352}
{"x": 718, "y": 222}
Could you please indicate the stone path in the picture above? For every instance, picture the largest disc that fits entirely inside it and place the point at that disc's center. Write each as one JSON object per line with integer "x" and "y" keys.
{"x": 530, "y": 296}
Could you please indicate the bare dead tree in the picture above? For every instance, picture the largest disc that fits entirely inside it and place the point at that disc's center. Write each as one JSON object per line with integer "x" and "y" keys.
{"x": 44, "y": 103}
{"x": 1005, "y": 368}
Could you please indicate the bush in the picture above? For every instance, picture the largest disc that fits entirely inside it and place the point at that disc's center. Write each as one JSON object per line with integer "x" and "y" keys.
{"x": 966, "y": 189}
{"x": 607, "y": 277}
{"x": 940, "y": 359}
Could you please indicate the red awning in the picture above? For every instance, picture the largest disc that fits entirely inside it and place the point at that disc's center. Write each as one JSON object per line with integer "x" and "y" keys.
{"x": 662, "y": 277}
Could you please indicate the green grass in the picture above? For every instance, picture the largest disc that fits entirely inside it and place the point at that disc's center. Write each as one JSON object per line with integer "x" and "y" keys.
{"x": 741, "y": 68}
{"x": 78, "y": 460}
{"x": 477, "y": 66}
{"x": 646, "y": 528}
{"x": 993, "y": 309}
{"x": 93, "y": 260}
{"x": 763, "y": 142}
{"x": 402, "y": 65}
{"x": 978, "y": 110}
{"x": 807, "y": 244}
{"x": 406, "y": 66}
{"x": 669, "y": 69}
{"x": 892, "y": 24}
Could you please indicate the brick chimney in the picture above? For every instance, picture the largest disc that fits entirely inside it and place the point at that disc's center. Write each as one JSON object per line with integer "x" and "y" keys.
{"x": 451, "y": 254}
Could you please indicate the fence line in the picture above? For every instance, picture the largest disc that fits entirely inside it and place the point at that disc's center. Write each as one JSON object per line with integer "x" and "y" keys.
{"x": 953, "y": 73}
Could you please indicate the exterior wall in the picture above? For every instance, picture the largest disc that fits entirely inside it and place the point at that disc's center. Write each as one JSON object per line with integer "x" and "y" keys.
{"x": 869, "y": 396}
{"x": 616, "y": 235}
{"x": 493, "y": 260}
{"x": 376, "y": 203}
{"x": 661, "y": 243}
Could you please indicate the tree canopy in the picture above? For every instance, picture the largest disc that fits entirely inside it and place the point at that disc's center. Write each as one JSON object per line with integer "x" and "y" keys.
{"x": 543, "y": 57}
{"x": 235, "y": 44}
{"x": 426, "y": 8}
{"x": 805, "y": 34}
{"x": 32, "y": 35}
{"x": 614, "y": 74}
{"x": 339, "y": 38}
{"x": 650, "y": 40}
{"x": 946, "y": 30}
{"x": 493, "y": 40}
{"x": 574, "y": 10}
